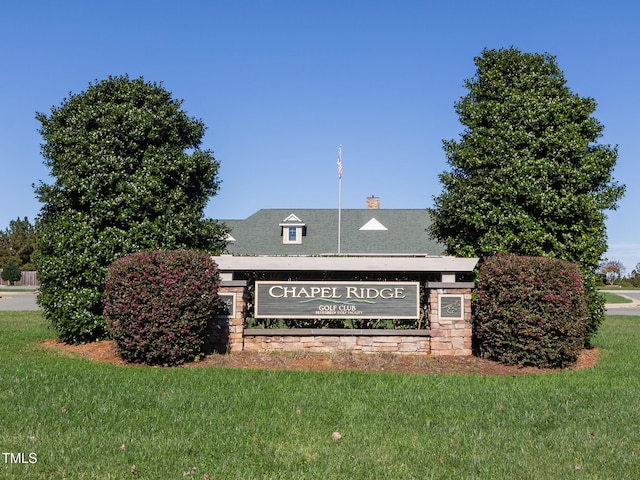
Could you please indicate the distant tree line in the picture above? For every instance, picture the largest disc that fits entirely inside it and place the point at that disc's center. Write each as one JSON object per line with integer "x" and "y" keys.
{"x": 612, "y": 272}
{"x": 17, "y": 245}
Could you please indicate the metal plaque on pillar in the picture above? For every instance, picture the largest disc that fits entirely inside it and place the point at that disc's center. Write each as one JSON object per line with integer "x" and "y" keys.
{"x": 228, "y": 307}
{"x": 451, "y": 307}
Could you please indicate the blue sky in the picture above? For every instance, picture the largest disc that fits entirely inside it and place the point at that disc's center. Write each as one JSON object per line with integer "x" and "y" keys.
{"x": 280, "y": 84}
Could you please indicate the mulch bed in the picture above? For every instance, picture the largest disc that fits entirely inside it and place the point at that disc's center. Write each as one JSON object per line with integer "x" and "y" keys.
{"x": 105, "y": 351}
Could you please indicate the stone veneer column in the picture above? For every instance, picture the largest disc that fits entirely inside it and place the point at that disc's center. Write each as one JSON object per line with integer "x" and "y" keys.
{"x": 233, "y": 326}
{"x": 450, "y": 336}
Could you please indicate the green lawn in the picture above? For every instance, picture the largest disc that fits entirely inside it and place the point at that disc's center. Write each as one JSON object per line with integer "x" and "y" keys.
{"x": 618, "y": 287}
{"x": 613, "y": 298}
{"x": 85, "y": 420}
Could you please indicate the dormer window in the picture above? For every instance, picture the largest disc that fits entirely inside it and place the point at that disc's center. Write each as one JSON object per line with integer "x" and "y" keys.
{"x": 292, "y": 229}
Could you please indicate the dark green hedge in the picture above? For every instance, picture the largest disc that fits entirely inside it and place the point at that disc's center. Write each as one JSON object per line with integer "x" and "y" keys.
{"x": 530, "y": 311}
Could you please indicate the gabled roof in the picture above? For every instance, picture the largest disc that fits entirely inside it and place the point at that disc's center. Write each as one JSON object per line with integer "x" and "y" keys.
{"x": 292, "y": 218}
{"x": 363, "y": 231}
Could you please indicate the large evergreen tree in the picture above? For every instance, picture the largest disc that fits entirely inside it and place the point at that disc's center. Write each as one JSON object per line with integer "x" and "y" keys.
{"x": 129, "y": 175}
{"x": 527, "y": 174}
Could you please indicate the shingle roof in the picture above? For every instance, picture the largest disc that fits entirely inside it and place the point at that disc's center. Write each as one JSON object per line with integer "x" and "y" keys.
{"x": 406, "y": 232}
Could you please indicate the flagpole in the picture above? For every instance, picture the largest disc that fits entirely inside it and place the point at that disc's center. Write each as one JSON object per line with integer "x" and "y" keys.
{"x": 339, "y": 196}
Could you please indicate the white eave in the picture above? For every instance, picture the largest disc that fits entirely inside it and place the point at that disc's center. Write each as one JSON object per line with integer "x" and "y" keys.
{"x": 230, "y": 263}
{"x": 292, "y": 218}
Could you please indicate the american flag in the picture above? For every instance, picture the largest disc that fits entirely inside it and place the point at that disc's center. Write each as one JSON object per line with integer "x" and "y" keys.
{"x": 339, "y": 162}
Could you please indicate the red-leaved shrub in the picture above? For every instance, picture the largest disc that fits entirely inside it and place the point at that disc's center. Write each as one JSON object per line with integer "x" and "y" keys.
{"x": 159, "y": 305}
{"x": 530, "y": 311}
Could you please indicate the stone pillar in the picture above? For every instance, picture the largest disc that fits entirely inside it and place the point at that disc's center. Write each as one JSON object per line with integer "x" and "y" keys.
{"x": 229, "y": 330}
{"x": 450, "y": 320}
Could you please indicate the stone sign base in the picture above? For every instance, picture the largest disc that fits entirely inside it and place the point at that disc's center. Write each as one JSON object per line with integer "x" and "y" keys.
{"x": 409, "y": 342}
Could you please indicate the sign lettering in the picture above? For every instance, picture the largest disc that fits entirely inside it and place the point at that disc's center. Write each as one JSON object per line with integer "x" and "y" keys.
{"x": 375, "y": 300}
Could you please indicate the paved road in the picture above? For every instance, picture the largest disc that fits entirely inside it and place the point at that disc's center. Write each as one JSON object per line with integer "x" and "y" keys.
{"x": 625, "y": 308}
{"x": 634, "y": 294}
{"x": 14, "y": 301}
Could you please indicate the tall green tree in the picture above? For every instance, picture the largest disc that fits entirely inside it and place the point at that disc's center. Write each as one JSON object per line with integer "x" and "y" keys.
{"x": 129, "y": 175}
{"x": 528, "y": 175}
{"x": 17, "y": 243}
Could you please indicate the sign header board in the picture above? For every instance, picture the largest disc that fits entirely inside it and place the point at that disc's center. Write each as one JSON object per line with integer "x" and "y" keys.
{"x": 375, "y": 300}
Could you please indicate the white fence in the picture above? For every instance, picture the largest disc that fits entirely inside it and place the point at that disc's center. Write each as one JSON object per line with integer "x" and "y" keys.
{"x": 27, "y": 279}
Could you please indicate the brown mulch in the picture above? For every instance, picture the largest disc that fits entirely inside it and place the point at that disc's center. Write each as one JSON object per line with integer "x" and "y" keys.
{"x": 105, "y": 351}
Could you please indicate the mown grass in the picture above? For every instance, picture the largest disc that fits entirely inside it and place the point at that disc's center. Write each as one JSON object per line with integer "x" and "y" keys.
{"x": 618, "y": 287}
{"x": 613, "y": 298}
{"x": 86, "y": 420}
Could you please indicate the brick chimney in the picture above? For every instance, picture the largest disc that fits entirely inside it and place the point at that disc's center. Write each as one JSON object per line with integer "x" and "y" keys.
{"x": 373, "y": 203}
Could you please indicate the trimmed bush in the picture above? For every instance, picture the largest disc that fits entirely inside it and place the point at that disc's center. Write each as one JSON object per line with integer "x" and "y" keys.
{"x": 530, "y": 311}
{"x": 159, "y": 305}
